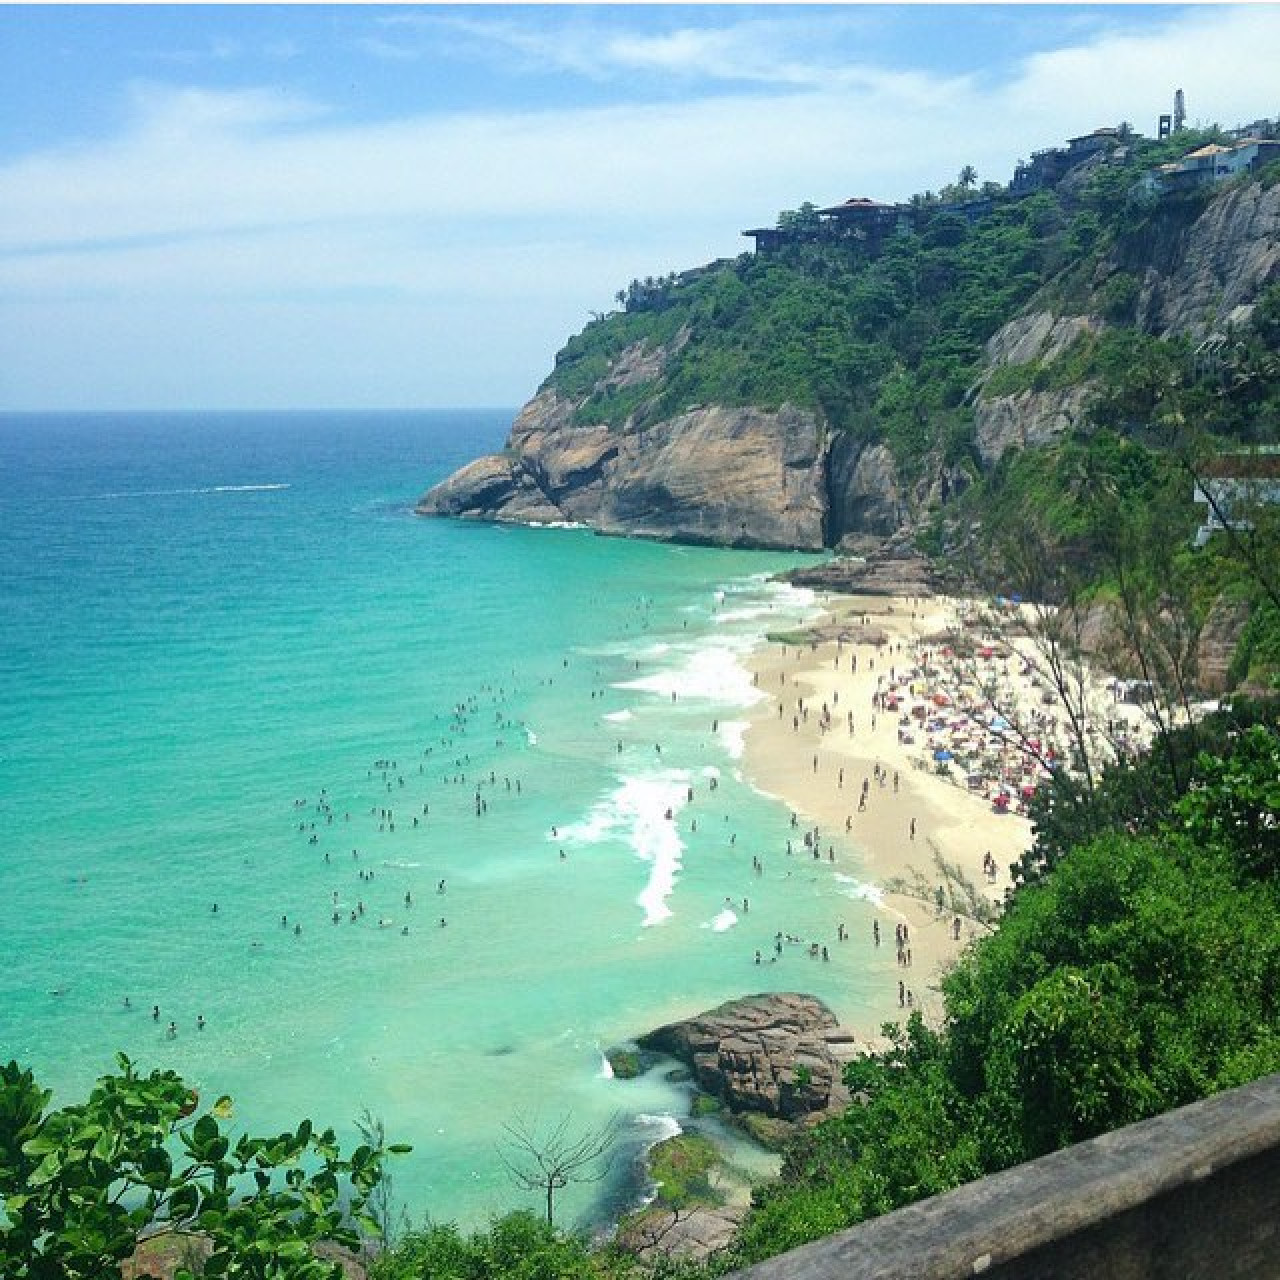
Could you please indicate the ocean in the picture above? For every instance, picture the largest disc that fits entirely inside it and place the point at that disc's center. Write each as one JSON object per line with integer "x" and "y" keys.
{"x": 417, "y": 816}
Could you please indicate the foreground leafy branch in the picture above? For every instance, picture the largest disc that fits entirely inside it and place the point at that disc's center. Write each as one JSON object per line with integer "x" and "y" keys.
{"x": 84, "y": 1185}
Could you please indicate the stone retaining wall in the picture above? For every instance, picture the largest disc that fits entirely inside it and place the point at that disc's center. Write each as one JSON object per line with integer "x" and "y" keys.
{"x": 1191, "y": 1195}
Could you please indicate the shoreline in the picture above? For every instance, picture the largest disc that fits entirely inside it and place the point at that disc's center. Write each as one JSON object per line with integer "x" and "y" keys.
{"x": 819, "y": 767}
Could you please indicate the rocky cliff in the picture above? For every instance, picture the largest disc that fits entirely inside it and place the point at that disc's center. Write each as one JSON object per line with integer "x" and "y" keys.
{"x": 601, "y": 444}
{"x": 733, "y": 477}
{"x": 1193, "y": 277}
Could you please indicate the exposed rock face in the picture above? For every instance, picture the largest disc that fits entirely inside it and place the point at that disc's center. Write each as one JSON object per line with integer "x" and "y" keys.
{"x": 737, "y": 477}
{"x": 890, "y": 569}
{"x": 662, "y": 1234}
{"x": 862, "y": 489}
{"x": 767, "y": 1053}
{"x": 1215, "y": 272}
{"x": 1030, "y": 417}
{"x": 1038, "y": 336}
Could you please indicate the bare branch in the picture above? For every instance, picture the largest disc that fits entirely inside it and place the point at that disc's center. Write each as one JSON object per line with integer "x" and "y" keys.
{"x": 548, "y": 1162}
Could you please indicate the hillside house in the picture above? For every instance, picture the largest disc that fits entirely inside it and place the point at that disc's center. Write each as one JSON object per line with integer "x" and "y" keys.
{"x": 1214, "y": 162}
{"x": 862, "y": 219}
{"x": 865, "y": 219}
{"x": 1048, "y": 167}
{"x": 1231, "y": 485}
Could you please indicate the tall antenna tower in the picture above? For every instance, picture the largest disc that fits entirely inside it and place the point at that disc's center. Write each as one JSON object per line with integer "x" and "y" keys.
{"x": 1179, "y": 111}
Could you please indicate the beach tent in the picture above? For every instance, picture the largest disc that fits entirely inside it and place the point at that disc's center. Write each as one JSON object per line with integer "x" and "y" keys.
{"x": 1001, "y": 803}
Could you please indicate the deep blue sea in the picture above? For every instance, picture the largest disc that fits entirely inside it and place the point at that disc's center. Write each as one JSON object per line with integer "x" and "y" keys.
{"x": 277, "y": 754}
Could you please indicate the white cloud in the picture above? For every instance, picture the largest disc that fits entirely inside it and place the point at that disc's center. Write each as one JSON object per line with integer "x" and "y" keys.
{"x": 262, "y": 200}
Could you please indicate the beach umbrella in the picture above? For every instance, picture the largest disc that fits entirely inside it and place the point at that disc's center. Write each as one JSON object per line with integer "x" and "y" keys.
{"x": 944, "y": 754}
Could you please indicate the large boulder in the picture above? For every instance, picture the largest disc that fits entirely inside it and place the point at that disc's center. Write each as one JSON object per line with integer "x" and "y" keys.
{"x": 769, "y": 1053}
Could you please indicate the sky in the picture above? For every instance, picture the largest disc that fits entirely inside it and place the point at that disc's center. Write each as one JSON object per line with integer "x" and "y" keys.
{"x": 367, "y": 206}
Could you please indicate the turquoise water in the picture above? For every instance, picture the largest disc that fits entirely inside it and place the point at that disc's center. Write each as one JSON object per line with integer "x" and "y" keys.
{"x": 231, "y": 656}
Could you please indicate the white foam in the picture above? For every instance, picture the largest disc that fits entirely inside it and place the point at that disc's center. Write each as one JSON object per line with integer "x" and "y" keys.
{"x": 666, "y": 1126}
{"x": 530, "y": 736}
{"x": 636, "y": 811}
{"x": 711, "y": 672}
{"x": 725, "y": 919}
{"x": 182, "y": 493}
{"x": 606, "y": 1067}
{"x": 618, "y": 717}
{"x": 861, "y": 890}
{"x": 733, "y": 737}
{"x": 747, "y": 613}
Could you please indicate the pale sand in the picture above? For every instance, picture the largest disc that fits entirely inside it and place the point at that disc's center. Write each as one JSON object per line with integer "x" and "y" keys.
{"x": 962, "y": 827}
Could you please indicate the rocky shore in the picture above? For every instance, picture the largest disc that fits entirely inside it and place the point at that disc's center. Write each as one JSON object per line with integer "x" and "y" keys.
{"x": 871, "y": 567}
{"x": 770, "y": 1063}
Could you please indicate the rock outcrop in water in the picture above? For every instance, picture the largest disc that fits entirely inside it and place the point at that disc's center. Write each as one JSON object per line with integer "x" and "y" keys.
{"x": 773, "y": 1054}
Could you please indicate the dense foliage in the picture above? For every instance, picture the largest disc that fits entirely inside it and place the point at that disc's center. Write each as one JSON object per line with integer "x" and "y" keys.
{"x": 885, "y": 345}
{"x": 82, "y": 1186}
{"x": 886, "y": 339}
{"x": 1141, "y": 975}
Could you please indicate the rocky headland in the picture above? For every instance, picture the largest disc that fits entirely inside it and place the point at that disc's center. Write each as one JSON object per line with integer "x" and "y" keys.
{"x": 783, "y": 477}
{"x": 728, "y": 477}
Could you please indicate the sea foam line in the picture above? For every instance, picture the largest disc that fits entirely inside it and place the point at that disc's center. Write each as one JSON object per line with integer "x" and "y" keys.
{"x": 712, "y": 672}
{"x": 860, "y": 890}
{"x": 178, "y": 493}
{"x": 642, "y": 810}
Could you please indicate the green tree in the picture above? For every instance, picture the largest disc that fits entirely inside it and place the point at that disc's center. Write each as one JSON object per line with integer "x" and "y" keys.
{"x": 82, "y": 1186}
{"x": 968, "y": 178}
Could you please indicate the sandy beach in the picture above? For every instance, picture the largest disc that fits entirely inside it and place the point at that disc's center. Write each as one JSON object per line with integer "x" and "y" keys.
{"x": 885, "y": 730}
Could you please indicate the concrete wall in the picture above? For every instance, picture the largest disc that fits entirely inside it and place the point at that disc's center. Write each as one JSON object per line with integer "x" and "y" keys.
{"x": 1191, "y": 1195}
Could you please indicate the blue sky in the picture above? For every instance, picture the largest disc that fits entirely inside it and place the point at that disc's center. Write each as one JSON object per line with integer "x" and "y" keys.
{"x": 410, "y": 206}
